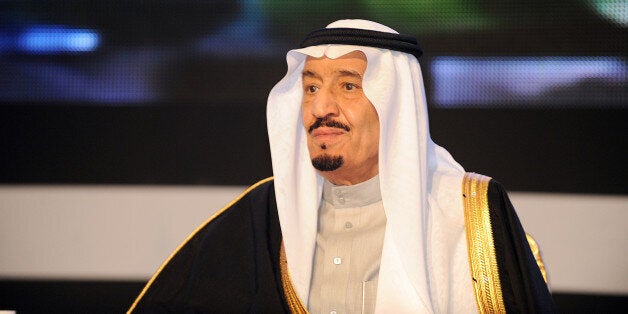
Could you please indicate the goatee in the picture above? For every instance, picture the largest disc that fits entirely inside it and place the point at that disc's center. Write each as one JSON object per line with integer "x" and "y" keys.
{"x": 327, "y": 163}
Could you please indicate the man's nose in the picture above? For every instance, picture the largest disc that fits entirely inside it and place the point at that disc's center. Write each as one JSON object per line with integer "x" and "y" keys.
{"x": 325, "y": 104}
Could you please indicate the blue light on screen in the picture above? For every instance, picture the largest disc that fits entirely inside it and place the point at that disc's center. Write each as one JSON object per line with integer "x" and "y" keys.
{"x": 58, "y": 39}
{"x": 529, "y": 81}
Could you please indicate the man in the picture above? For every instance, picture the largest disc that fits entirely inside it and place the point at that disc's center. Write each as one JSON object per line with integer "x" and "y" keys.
{"x": 365, "y": 213}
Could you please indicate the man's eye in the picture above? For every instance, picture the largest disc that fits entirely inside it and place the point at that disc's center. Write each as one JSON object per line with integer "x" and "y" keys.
{"x": 350, "y": 86}
{"x": 312, "y": 89}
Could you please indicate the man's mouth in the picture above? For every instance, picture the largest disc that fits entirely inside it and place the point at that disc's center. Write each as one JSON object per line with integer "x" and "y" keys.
{"x": 325, "y": 136}
{"x": 325, "y": 132}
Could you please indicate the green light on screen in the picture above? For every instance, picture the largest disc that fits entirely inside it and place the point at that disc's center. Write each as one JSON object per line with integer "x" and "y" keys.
{"x": 613, "y": 10}
{"x": 432, "y": 15}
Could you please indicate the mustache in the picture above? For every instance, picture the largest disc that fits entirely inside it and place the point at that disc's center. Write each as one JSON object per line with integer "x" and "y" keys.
{"x": 328, "y": 123}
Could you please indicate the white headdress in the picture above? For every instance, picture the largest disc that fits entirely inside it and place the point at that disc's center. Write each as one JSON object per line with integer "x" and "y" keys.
{"x": 420, "y": 182}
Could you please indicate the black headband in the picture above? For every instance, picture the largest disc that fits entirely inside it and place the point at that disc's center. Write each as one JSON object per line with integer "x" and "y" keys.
{"x": 363, "y": 37}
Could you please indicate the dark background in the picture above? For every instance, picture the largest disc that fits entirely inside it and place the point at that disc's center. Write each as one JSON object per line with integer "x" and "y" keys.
{"x": 175, "y": 92}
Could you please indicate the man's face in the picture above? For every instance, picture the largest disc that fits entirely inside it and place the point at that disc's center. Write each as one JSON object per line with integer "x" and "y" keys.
{"x": 341, "y": 123}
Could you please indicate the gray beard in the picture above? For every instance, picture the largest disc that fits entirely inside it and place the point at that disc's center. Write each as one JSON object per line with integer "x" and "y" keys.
{"x": 327, "y": 163}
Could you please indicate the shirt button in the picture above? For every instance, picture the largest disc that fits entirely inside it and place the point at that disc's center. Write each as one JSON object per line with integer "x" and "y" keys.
{"x": 337, "y": 260}
{"x": 348, "y": 225}
{"x": 333, "y": 312}
{"x": 338, "y": 192}
{"x": 341, "y": 200}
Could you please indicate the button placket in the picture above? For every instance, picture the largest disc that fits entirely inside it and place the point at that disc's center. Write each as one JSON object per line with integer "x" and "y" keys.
{"x": 339, "y": 196}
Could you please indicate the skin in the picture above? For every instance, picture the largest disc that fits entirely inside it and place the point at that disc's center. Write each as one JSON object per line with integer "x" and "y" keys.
{"x": 332, "y": 90}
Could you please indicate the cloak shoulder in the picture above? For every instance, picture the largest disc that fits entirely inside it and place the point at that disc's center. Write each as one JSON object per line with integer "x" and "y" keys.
{"x": 505, "y": 272}
{"x": 230, "y": 264}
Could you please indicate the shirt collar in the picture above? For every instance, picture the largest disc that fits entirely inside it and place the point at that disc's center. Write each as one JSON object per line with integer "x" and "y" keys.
{"x": 357, "y": 195}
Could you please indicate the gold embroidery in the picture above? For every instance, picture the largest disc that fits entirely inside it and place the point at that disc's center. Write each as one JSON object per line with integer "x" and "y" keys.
{"x": 292, "y": 298}
{"x": 536, "y": 251}
{"x": 150, "y": 282}
{"x": 482, "y": 259}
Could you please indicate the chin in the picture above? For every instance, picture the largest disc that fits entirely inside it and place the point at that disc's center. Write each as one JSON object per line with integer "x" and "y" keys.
{"x": 327, "y": 162}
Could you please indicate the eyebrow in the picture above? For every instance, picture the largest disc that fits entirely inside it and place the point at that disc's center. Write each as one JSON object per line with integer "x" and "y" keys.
{"x": 308, "y": 73}
{"x": 350, "y": 73}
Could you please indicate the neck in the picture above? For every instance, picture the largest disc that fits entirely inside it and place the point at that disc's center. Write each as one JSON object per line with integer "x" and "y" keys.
{"x": 340, "y": 179}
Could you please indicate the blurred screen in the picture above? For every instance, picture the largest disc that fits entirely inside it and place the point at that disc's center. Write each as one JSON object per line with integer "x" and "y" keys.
{"x": 538, "y": 81}
{"x": 493, "y": 53}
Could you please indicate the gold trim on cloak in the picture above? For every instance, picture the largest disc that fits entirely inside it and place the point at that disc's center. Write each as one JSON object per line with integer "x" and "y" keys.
{"x": 218, "y": 213}
{"x": 482, "y": 259}
{"x": 292, "y": 298}
{"x": 536, "y": 251}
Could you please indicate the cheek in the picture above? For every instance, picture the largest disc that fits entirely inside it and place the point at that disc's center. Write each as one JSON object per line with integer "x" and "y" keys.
{"x": 368, "y": 119}
{"x": 372, "y": 124}
{"x": 305, "y": 119}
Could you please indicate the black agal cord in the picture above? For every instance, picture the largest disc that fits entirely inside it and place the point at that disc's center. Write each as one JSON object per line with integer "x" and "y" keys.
{"x": 363, "y": 37}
